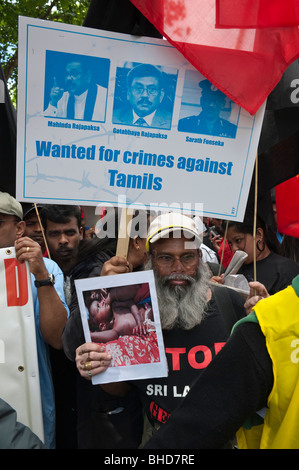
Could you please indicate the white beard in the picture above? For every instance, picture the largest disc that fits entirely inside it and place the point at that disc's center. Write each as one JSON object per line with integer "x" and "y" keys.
{"x": 182, "y": 306}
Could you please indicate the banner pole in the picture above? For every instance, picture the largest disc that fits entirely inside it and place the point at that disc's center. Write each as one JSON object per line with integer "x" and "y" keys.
{"x": 255, "y": 217}
{"x": 43, "y": 232}
{"x": 123, "y": 235}
{"x": 223, "y": 246}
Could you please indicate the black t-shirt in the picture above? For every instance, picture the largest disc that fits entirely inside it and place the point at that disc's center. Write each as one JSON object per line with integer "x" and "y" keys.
{"x": 226, "y": 394}
{"x": 275, "y": 272}
{"x": 188, "y": 353}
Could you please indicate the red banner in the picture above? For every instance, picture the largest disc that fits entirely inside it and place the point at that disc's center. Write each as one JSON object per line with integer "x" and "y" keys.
{"x": 245, "y": 64}
{"x": 287, "y": 207}
{"x": 256, "y": 13}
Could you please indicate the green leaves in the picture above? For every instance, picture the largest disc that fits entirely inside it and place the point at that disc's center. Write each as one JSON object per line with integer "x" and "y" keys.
{"x": 53, "y": 10}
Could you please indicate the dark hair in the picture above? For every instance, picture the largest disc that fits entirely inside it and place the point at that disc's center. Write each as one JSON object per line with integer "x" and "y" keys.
{"x": 145, "y": 70}
{"x": 108, "y": 242}
{"x": 60, "y": 214}
{"x": 247, "y": 227}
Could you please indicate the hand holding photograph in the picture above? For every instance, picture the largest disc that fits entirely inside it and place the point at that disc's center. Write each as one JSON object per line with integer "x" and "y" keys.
{"x": 121, "y": 314}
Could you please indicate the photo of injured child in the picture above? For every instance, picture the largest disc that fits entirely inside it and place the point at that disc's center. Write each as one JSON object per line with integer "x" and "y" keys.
{"x": 122, "y": 318}
{"x": 121, "y": 314}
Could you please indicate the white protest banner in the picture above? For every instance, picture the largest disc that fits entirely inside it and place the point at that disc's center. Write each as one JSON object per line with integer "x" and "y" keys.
{"x": 82, "y": 100}
{"x": 121, "y": 312}
{"x": 19, "y": 384}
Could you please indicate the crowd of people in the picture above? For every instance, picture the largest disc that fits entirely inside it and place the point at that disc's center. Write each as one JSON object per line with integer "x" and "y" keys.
{"x": 226, "y": 377}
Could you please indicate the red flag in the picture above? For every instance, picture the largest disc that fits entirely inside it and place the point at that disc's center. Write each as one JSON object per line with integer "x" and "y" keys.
{"x": 245, "y": 64}
{"x": 287, "y": 207}
{"x": 256, "y": 13}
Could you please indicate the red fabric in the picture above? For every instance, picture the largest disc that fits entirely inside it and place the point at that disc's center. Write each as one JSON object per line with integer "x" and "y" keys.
{"x": 227, "y": 255}
{"x": 133, "y": 350}
{"x": 256, "y": 13}
{"x": 245, "y": 64}
{"x": 287, "y": 207}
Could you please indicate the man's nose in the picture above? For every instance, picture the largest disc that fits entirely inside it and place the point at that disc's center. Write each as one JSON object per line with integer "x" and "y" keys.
{"x": 63, "y": 239}
{"x": 177, "y": 266}
{"x": 37, "y": 227}
{"x": 145, "y": 92}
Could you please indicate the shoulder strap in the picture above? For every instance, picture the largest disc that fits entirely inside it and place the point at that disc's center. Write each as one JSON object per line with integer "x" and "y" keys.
{"x": 225, "y": 307}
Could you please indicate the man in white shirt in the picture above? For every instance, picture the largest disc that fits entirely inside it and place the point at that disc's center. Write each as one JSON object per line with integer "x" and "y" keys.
{"x": 50, "y": 309}
{"x": 80, "y": 99}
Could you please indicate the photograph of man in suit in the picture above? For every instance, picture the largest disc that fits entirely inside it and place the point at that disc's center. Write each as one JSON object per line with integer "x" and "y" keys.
{"x": 145, "y": 92}
{"x": 80, "y": 97}
{"x": 208, "y": 121}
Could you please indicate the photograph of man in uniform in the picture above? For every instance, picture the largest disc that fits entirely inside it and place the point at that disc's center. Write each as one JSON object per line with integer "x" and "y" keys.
{"x": 209, "y": 120}
{"x": 144, "y": 97}
{"x": 80, "y": 91}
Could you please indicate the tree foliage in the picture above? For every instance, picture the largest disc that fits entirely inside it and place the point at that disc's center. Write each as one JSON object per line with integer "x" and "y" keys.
{"x": 65, "y": 11}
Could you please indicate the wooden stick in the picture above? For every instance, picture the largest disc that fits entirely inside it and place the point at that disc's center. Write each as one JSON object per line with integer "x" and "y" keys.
{"x": 255, "y": 217}
{"x": 43, "y": 232}
{"x": 224, "y": 239}
{"x": 123, "y": 235}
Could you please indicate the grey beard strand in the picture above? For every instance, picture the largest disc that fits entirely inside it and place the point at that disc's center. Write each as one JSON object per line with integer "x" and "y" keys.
{"x": 183, "y": 306}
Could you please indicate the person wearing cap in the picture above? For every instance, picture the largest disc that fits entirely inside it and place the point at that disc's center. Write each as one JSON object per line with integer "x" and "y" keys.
{"x": 145, "y": 94}
{"x": 194, "y": 330}
{"x": 50, "y": 309}
{"x": 208, "y": 121}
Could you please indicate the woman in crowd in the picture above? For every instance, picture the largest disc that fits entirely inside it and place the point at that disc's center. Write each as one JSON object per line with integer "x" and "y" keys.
{"x": 273, "y": 270}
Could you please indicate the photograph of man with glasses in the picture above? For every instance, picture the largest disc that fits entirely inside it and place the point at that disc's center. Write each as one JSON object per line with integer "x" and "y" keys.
{"x": 144, "y": 97}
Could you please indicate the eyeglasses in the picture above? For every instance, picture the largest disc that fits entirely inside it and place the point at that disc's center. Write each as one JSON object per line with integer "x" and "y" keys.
{"x": 188, "y": 260}
{"x": 138, "y": 90}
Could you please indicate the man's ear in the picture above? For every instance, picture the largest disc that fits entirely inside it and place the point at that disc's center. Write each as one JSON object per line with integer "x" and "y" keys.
{"x": 81, "y": 230}
{"x": 136, "y": 242}
{"x": 20, "y": 228}
{"x": 146, "y": 257}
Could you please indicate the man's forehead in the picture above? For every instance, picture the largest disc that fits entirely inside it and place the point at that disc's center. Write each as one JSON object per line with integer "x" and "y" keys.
{"x": 70, "y": 223}
{"x": 6, "y": 216}
{"x": 73, "y": 65}
{"x": 145, "y": 79}
{"x": 173, "y": 244}
{"x": 32, "y": 215}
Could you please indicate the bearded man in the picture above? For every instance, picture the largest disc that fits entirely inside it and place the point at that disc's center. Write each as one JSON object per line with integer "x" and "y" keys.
{"x": 194, "y": 330}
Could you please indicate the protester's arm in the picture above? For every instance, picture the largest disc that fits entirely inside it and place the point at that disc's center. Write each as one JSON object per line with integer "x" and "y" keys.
{"x": 235, "y": 385}
{"x": 257, "y": 292}
{"x": 73, "y": 334}
{"x": 52, "y": 312}
{"x": 15, "y": 435}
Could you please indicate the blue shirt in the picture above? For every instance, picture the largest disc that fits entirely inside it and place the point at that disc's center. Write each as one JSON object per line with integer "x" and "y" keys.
{"x": 45, "y": 374}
